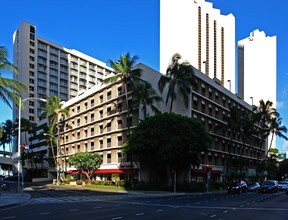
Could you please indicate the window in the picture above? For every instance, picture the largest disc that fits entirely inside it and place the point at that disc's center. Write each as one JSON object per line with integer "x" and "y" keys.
{"x": 100, "y": 129}
{"x": 108, "y": 95}
{"x": 119, "y": 106}
{"x": 92, "y": 102}
{"x": 119, "y": 138}
{"x": 108, "y": 127}
{"x": 119, "y": 155}
{"x": 92, "y": 145}
{"x": 101, "y": 144}
{"x": 31, "y": 110}
{"x": 108, "y": 158}
{"x": 108, "y": 111}
{"x": 78, "y": 109}
{"x": 108, "y": 142}
{"x": 119, "y": 123}
{"x": 101, "y": 99}
{"x": 101, "y": 114}
{"x": 92, "y": 131}
{"x": 92, "y": 117}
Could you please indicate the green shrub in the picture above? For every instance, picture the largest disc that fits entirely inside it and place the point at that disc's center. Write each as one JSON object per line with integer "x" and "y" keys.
{"x": 79, "y": 182}
{"x": 108, "y": 182}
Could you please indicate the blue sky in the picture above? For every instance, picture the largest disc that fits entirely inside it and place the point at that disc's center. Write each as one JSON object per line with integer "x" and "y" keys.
{"x": 105, "y": 29}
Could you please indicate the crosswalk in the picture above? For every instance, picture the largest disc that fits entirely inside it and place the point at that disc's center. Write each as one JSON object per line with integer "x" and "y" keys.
{"x": 66, "y": 199}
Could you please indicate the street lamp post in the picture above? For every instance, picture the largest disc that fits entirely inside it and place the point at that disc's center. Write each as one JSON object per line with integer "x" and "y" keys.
{"x": 57, "y": 158}
{"x": 20, "y": 168}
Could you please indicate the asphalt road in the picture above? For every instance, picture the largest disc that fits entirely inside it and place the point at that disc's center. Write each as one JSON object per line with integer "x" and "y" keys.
{"x": 84, "y": 205}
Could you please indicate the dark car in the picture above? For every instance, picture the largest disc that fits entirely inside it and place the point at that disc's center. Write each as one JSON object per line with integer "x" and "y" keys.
{"x": 282, "y": 185}
{"x": 252, "y": 187}
{"x": 269, "y": 186}
{"x": 238, "y": 187}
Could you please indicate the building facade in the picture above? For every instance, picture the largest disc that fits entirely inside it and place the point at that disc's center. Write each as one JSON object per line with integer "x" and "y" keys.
{"x": 49, "y": 69}
{"x": 253, "y": 52}
{"x": 98, "y": 123}
{"x": 202, "y": 35}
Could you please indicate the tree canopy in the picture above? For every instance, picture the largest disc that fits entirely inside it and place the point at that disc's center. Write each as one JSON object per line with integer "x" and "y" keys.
{"x": 168, "y": 140}
{"x": 87, "y": 162}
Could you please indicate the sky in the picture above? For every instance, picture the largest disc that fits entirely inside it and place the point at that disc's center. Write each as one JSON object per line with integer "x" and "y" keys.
{"x": 105, "y": 29}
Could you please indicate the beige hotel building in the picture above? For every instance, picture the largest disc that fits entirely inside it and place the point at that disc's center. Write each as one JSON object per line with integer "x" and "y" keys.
{"x": 97, "y": 123}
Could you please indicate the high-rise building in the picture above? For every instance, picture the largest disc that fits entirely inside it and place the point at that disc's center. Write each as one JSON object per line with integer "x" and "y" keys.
{"x": 202, "y": 35}
{"x": 48, "y": 69}
{"x": 257, "y": 69}
{"x": 257, "y": 66}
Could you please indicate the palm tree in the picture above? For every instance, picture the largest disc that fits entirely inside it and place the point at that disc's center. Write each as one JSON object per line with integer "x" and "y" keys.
{"x": 28, "y": 127}
{"x": 180, "y": 78}
{"x": 129, "y": 76}
{"x": 263, "y": 114}
{"x": 276, "y": 129}
{"x": 145, "y": 95}
{"x": 8, "y": 129}
{"x": 54, "y": 111}
{"x": 10, "y": 89}
{"x": 125, "y": 72}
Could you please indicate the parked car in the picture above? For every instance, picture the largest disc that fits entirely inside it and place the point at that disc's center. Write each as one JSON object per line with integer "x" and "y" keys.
{"x": 252, "y": 187}
{"x": 269, "y": 186}
{"x": 282, "y": 185}
{"x": 238, "y": 187}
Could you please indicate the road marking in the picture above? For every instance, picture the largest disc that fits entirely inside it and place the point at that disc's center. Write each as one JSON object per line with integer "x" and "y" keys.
{"x": 45, "y": 213}
{"x": 212, "y": 216}
{"x": 225, "y": 211}
{"x": 97, "y": 207}
{"x": 117, "y": 218}
{"x": 73, "y": 210}
{"x": 203, "y": 214}
{"x": 8, "y": 217}
{"x": 140, "y": 214}
{"x": 159, "y": 210}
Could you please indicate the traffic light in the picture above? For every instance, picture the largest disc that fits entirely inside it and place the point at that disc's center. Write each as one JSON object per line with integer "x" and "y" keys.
{"x": 23, "y": 154}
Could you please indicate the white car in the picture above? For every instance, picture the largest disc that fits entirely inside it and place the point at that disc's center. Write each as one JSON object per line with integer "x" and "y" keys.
{"x": 282, "y": 185}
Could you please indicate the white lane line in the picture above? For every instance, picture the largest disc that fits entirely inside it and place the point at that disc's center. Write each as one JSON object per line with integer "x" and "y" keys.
{"x": 97, "y": 207}
{"x": 140, "y": 214}
{"x": 159, "y": 210}
{"x": 8, "y": 217}
{"x": 212, "y": 216}
{"x": 117, "y": 218}
{"x": 73, "y": 210}
{"x": 225, "y": 211}
{"x": 45, "y": 213}
{"x": 203, "y": 214}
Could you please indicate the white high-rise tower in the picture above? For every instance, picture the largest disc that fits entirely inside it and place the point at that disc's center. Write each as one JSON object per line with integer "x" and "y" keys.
{"x": 201, "y": 35}
{"x": 257, "y": 69}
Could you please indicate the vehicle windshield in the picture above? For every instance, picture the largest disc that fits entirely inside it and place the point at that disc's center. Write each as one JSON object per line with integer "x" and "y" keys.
{"x": 235, "y": 184}
{"x": 283, "y": 182}
{"x": 268, "y": 183}
{"x": 252, "y": 184}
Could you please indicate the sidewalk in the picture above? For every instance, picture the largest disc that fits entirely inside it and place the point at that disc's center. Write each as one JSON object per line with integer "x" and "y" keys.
{"x": 8, "y": 198}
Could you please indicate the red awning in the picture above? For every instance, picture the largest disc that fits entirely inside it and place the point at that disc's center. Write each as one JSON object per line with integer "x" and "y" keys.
{"x": 102, "y": 171}
{"x": 204, "y": 171}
